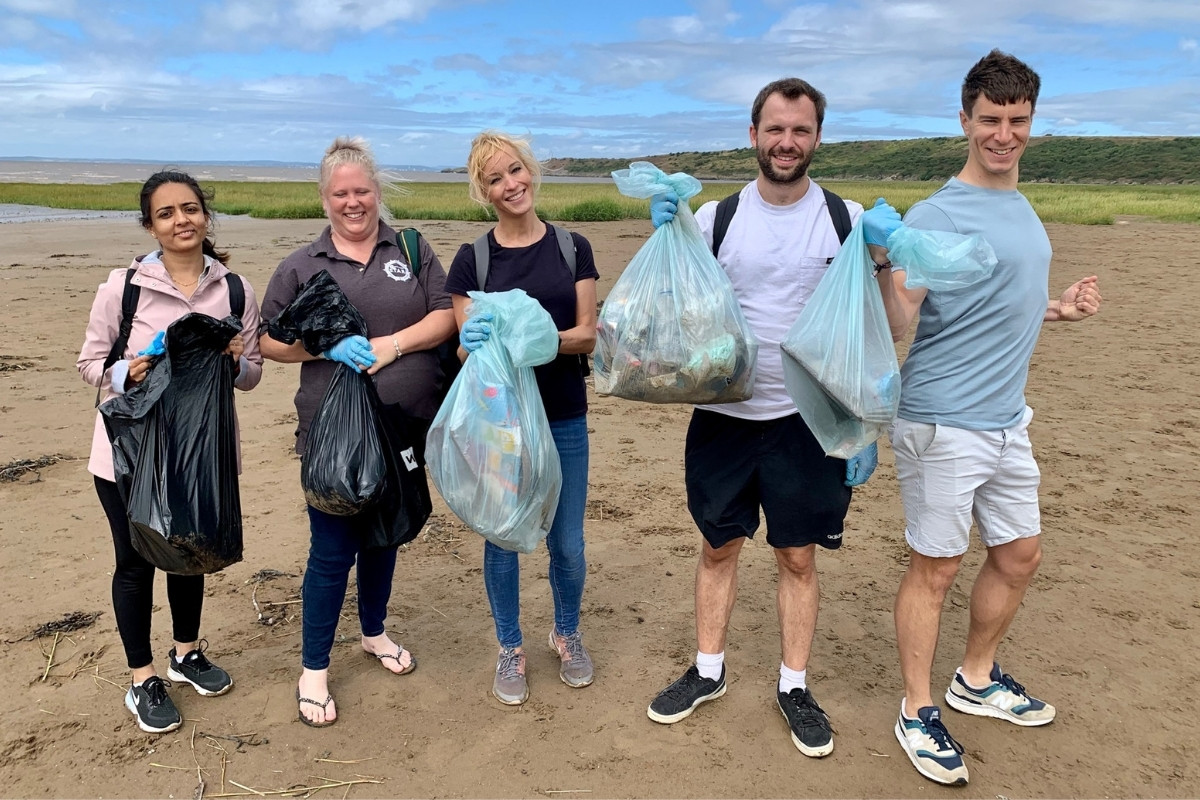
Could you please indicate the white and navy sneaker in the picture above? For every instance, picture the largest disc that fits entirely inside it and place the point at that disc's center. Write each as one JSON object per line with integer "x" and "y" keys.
{"x": 1003, "y": 698}
{"x": 930, "y": 747}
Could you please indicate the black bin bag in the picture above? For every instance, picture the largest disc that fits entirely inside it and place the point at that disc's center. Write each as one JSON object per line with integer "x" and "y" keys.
{"x": 358, "y": 460}
{"x": 174, "y": 440}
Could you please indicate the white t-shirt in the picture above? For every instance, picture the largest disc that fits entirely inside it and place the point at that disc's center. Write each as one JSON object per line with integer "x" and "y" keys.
{"x": 775, "y": 256}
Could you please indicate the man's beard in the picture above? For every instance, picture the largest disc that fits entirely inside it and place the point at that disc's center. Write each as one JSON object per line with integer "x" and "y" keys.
{"x": 795, "y": 175}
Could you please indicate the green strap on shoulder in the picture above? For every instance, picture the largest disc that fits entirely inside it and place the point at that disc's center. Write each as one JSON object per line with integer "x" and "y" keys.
{"x": 408, "y": 240}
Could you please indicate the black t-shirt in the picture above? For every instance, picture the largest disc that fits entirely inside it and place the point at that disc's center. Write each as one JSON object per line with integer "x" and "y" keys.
{"x": 542, "y": 273}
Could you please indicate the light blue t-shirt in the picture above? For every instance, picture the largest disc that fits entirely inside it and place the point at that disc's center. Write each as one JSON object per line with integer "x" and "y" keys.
{"x": 968, "y": 364}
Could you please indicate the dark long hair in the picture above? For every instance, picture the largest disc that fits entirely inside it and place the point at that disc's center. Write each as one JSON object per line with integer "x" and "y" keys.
{"x": 204, "y": 197}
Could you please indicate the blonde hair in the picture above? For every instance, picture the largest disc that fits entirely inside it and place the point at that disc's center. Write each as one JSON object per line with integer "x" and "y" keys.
{"x": 484, "y": 147}
{"x": 354, "y": 151}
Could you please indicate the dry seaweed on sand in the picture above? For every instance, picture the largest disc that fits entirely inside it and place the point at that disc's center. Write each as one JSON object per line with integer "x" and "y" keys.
{"x": 15, "y": 469}
{"x": 72, "y": 621}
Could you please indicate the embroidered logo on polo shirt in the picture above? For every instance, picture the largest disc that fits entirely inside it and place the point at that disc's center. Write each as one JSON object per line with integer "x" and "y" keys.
{"x": 397, "y": 270}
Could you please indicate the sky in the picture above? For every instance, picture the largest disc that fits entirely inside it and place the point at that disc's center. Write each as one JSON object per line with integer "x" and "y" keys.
{"x": 277, "y": 80}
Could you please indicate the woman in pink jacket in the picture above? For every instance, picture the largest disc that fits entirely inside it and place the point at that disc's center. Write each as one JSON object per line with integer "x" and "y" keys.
{"x": 184, "y": 274}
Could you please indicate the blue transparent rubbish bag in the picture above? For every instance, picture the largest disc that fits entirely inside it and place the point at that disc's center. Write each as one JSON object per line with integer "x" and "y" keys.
{"x": 940, "y": 260}
{"x": 839, "y": 364}
{"x": 671, "y": 329}
{"x": 489, "y": 450}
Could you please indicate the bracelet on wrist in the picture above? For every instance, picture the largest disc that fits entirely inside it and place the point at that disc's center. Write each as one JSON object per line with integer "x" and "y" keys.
{"x": 880, "y": 267}
{"x": 397, "y": 346}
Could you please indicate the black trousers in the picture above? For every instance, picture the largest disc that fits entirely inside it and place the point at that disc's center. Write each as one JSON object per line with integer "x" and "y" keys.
{"x": 133, "y": 587}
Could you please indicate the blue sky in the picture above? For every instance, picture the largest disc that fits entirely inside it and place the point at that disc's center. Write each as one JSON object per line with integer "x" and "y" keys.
{"x": 237, "y": 80}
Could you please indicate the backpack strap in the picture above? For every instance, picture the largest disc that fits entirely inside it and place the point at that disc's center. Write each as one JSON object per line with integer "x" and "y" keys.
{"x": 129, "y": 303}
{"x": 566, "y": 246}
{"x": 481, "y": 261}
{"x": 409, "y": 242}
{"x": 839, "y": 213}
{"x": 726, "y": 208}
{"x": 237, "y": 295}
{"x": 725, "y": 211}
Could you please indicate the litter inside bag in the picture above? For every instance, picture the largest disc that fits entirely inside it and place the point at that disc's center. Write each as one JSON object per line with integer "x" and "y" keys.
{"x": 671, "y": 329}
{"x": 357, "y": 461}
{"x": 174, "y": 442}
{"x": 940, "y": 260}
{"x": 490, "y": 451}
{"x": 839, "y": 363}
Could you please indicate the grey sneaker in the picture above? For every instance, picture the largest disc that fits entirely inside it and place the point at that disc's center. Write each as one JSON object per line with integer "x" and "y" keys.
{"x": 152, "y": 706}
{"x": 576, "y": 670}
{"x": 1003, "y": 699}
{"x": 510, "y": 686}
{"x": 205, "y": 677}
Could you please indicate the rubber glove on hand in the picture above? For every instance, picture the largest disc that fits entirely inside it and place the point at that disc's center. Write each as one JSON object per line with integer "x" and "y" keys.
{"x": 156, "y": 347}
{"x": 879, "y": 222}
{"x": 860, "y": 467}
{"x": 353, "y": 351}
{"x": 663, "y": 208}
{"x": 475, "y": 332}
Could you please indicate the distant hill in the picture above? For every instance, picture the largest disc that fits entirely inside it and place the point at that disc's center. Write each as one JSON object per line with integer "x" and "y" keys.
{"x": 1050, "y": 159}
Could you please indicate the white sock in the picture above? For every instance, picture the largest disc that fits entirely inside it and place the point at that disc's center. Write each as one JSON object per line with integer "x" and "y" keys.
{"x": 791, "y": 678}
{"x": 709, "y": 665}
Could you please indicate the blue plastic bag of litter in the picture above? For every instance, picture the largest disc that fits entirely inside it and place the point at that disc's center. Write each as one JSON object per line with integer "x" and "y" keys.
{"x": 489, "y": 450}
{"x": 671, "y": 329}
{"x": 839, "y": 363}
{"x": 940, "y": 260}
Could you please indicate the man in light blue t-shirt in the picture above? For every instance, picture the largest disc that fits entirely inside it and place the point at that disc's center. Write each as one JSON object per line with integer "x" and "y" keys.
{"x": 961, "y": 437}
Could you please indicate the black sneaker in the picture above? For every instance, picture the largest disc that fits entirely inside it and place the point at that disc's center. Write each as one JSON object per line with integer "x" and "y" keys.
{"x": 152, "y": 706}
{"x": 681, "y": 698}
{"x": 811, "y": 732}
{"x": 206, "y": 677}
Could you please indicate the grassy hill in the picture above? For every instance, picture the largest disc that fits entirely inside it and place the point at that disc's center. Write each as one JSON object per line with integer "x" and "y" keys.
{"x": 1049, "y": 159}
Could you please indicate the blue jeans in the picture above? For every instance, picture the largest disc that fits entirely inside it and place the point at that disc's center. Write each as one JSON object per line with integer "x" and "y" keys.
{"x": 334, "y": 548}
{"x": 568, "y": 567}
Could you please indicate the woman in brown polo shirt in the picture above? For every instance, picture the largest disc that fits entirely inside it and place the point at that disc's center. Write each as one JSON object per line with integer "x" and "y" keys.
{"x": 408, "y": 314}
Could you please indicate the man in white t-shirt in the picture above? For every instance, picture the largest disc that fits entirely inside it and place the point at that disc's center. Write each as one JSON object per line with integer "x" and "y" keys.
{"x": 758, "y": 456}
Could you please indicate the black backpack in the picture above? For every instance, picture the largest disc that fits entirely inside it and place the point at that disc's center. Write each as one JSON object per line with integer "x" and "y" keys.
{"x": 726, "y": 208}
{"x": 129, "y": 303}
{"x": 409, "y": 242}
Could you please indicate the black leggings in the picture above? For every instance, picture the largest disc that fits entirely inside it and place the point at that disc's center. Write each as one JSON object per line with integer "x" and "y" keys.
{"x": 133, "y": 587}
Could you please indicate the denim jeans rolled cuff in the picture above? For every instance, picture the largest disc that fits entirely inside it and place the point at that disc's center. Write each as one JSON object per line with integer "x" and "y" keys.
{"x": 568, "y": 564}
{"x": 335, "y": 546}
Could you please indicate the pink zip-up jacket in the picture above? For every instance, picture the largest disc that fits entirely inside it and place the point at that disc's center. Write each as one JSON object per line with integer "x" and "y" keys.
{"x": 159, "y": 305}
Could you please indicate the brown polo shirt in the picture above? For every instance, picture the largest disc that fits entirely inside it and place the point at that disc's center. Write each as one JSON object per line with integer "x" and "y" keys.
{"x": 389, "y": 297}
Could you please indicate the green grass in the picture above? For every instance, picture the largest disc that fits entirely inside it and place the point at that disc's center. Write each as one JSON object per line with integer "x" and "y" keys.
{"x": 1086, "y": 204}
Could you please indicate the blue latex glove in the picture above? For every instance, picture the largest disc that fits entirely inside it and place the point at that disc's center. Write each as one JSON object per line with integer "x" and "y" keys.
{"x": 860, "y": 467}
{"x": 353, "y": 351}
{"x": 879, "y": 222}
{"x": 663, "y": 208}
{"x": 156, "y": 347}
{"x": 475, "y": 332}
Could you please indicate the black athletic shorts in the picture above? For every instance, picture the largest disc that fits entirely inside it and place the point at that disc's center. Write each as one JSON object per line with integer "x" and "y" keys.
{"x": 733, "y": 466}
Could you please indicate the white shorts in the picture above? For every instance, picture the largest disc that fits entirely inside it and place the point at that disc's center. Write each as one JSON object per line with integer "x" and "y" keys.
{"x": 950, "y": 475}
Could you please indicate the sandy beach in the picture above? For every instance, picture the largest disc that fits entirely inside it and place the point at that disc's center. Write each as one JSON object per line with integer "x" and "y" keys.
{"x": 1108, "y": 633}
